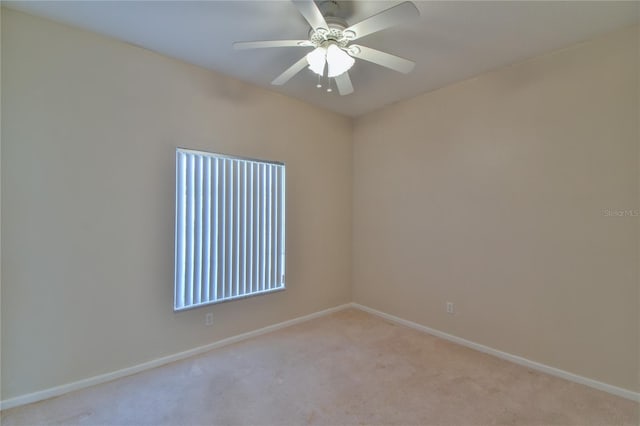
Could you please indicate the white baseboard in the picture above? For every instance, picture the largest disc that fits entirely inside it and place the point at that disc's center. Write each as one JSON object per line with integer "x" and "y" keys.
{"x": 91, "y": 381}
{"x": 624, "y": 393}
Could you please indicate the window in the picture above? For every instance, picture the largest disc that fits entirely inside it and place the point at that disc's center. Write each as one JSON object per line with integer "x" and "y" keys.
{"x": 230, "y": 228}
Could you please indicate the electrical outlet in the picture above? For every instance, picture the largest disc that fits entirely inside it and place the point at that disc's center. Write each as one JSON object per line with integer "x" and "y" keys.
{"x": 450, "y": 308}
{"x": 208, "y": 319}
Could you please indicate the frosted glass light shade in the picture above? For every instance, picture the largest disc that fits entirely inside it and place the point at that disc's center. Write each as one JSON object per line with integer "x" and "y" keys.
{"x": 339, "y": 61}
{"x": 317, "y": 59}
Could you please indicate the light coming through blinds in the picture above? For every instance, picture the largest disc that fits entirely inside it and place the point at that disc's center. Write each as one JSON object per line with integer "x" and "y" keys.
{"x": 230, "y": 228}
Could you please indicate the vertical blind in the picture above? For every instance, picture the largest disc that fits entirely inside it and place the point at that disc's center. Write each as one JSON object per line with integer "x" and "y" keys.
{"x": 230, "y": 228}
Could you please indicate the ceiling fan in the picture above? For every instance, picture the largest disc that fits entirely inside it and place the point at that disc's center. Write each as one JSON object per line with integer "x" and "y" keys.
{"x": 330, "y": 37}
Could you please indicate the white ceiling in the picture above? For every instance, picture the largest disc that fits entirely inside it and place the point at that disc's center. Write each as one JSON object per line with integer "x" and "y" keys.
{"x": 451, "y": 41}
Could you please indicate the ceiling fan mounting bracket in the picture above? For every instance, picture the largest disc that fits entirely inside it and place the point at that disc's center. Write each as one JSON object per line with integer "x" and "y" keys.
{"x": 329, "y": 8}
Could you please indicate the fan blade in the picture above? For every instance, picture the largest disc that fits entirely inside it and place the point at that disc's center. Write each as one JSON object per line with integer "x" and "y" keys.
{"x": 241, "y": 45}
{"x": 344, "y": 84}
{"x": 290, "y": 72}
{"x": 387, "y": 60}
{"x": 385, "y": 19}
{"x": 311, "y": 13}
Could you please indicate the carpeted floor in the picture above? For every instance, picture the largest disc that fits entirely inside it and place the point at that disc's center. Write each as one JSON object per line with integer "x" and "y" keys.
{"x": 349, "y": 368}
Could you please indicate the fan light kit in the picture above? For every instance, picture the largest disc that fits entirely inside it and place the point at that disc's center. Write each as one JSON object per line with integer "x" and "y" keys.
{"x": 337, "y": 60}
{"x": 330, "y": 37}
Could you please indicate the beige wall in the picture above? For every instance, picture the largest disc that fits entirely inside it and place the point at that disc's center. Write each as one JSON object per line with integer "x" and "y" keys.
{"x": 488, "y": 193}
{"x": 89, "y": 131}
{"x": 491, "y": 194}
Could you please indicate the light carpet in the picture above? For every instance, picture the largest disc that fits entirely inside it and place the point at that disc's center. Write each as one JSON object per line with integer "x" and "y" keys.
{"x": 349, "y": 368}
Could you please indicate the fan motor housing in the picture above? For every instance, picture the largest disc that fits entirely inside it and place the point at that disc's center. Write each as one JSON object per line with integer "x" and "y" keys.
{"x": 336, "y": 33}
